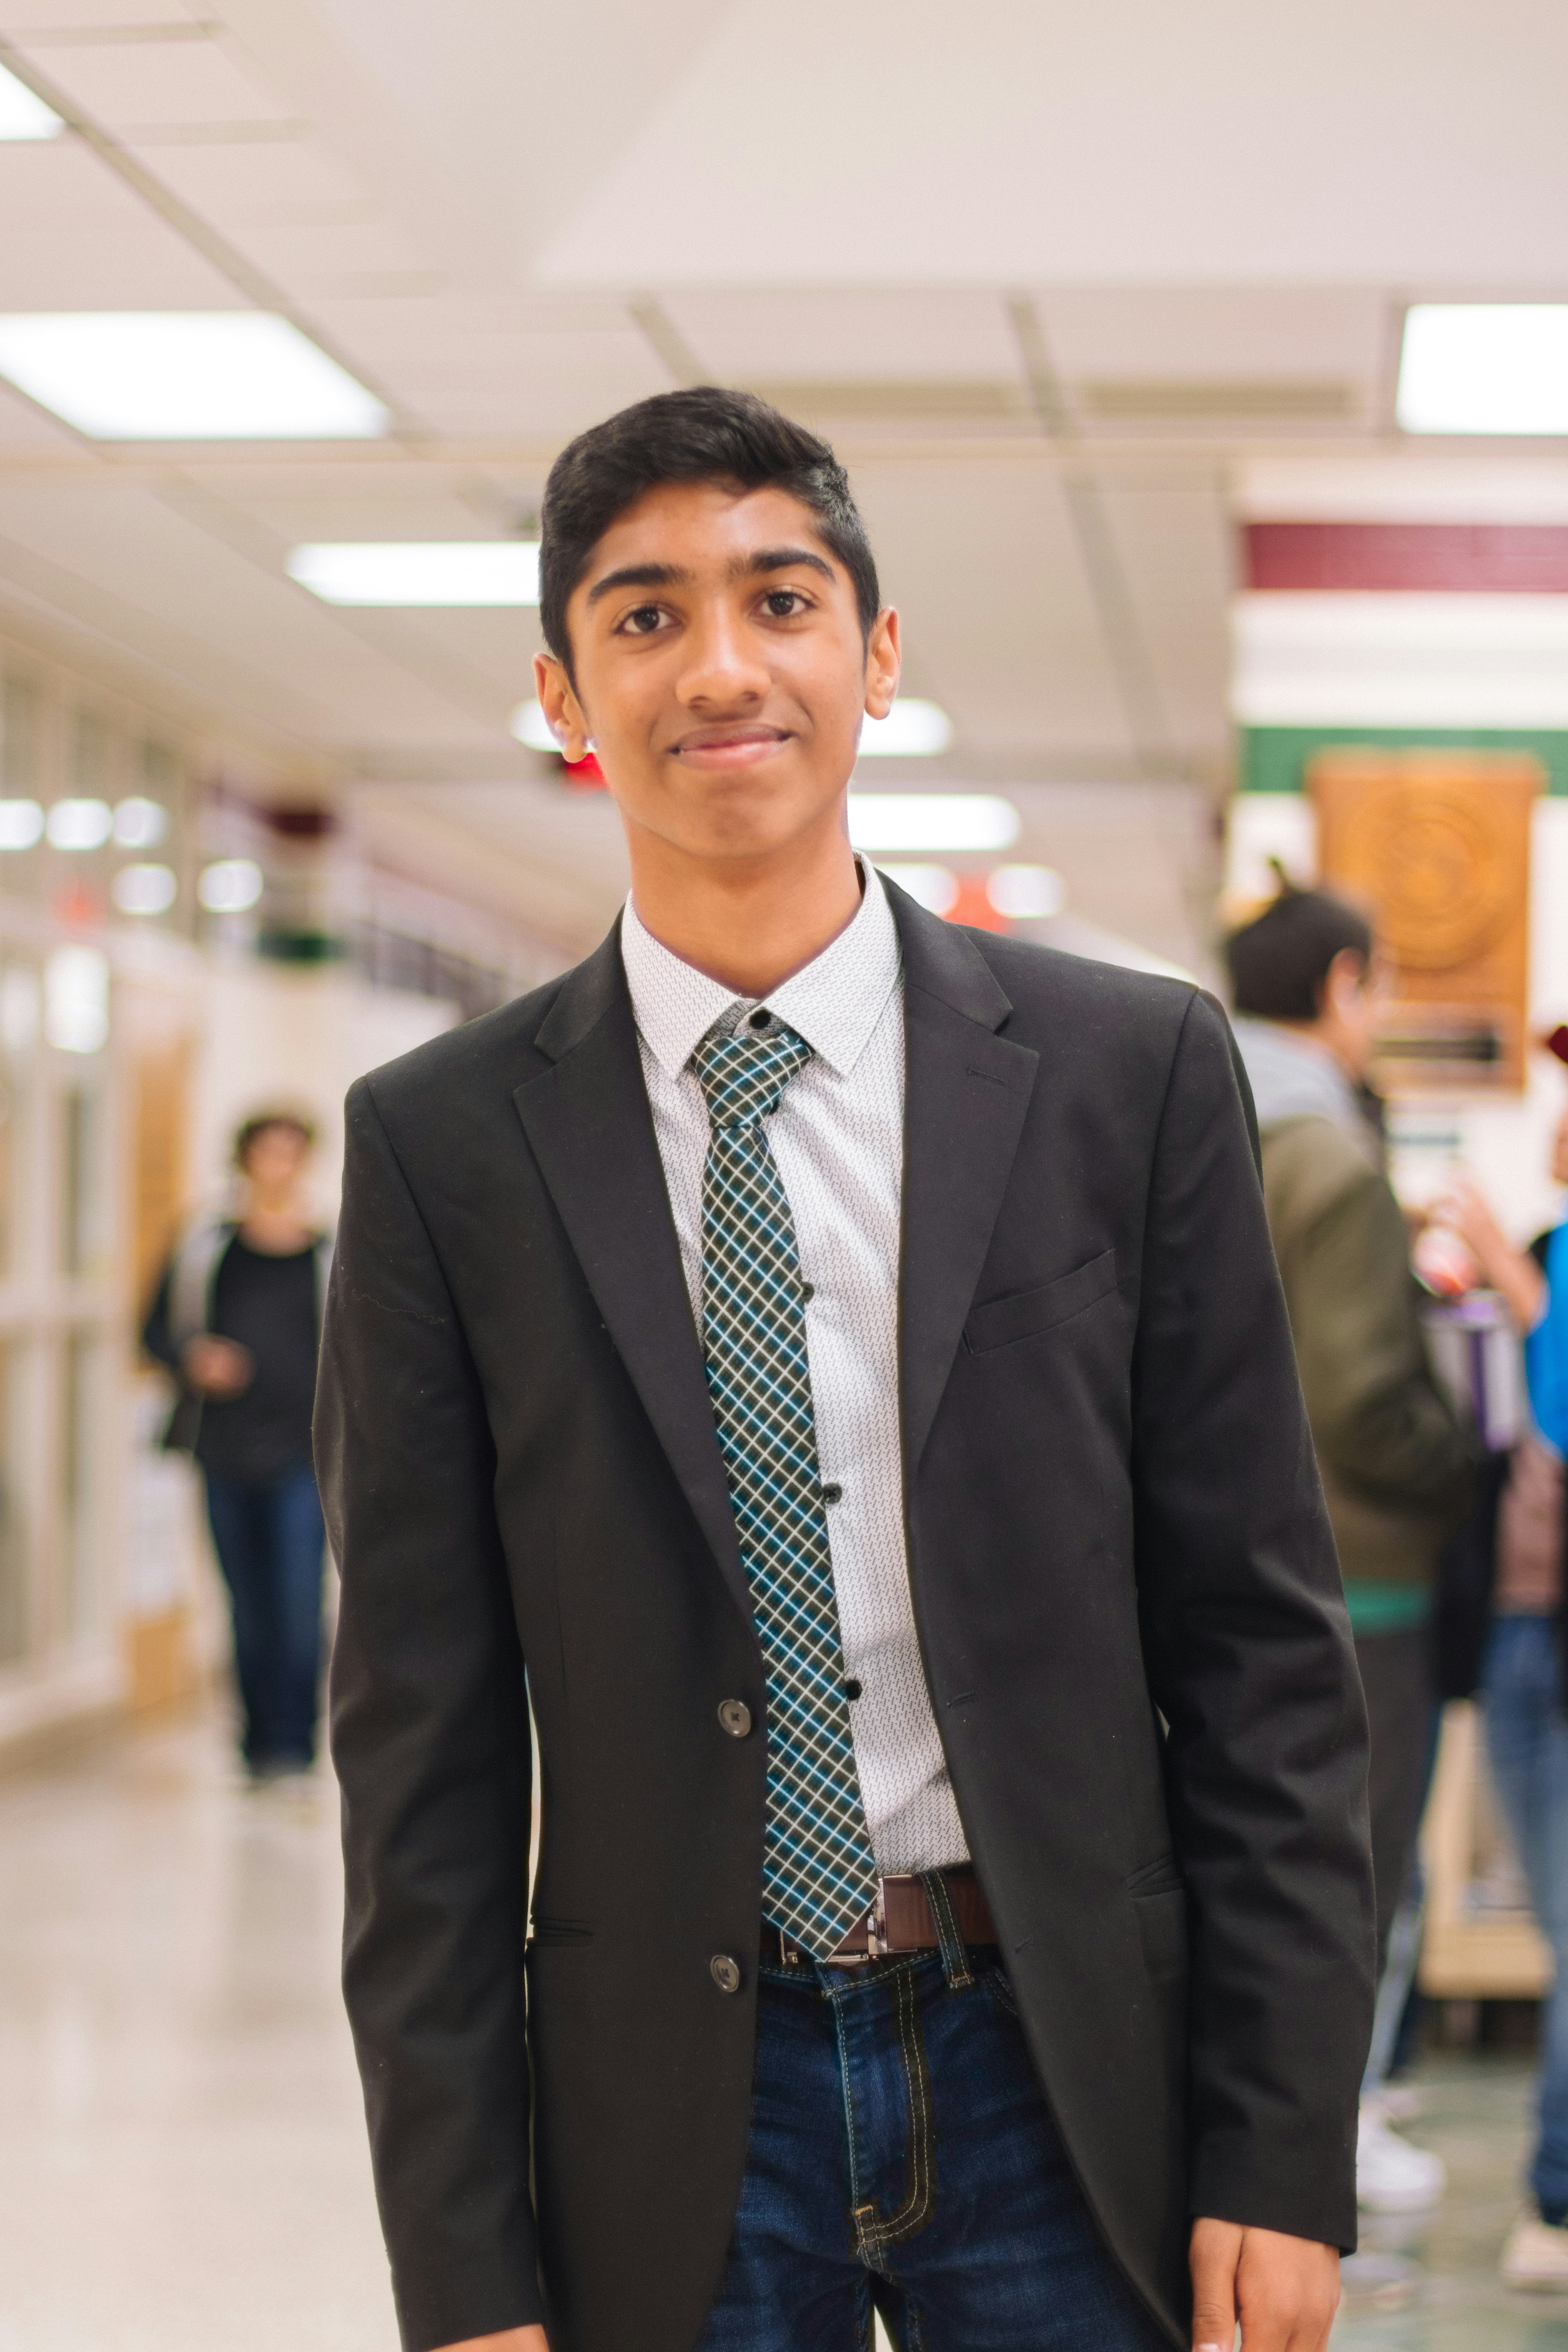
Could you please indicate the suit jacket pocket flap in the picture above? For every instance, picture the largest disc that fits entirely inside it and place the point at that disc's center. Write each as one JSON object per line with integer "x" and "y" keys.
{"x": 1025, "y": 1312}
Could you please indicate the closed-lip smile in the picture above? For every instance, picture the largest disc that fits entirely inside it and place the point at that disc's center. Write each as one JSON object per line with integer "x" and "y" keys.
{"x": 730, "y": 744}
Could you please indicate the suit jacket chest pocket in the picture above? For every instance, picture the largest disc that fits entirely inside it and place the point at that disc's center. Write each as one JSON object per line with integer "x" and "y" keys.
{"x": 1024, "y": 1313}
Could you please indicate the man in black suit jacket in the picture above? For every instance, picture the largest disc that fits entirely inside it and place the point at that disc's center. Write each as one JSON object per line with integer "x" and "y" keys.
{"x": 953, "y": 1810}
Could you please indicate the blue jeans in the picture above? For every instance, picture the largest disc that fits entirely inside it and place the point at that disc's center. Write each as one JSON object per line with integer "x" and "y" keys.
{"x": 269, "y": 1541}
{"x": 1527, "y": 1736}
{"x": 903, "y": 2158}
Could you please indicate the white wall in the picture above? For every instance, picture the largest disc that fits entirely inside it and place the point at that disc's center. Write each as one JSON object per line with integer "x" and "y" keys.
{"x": 271, "y": 1034}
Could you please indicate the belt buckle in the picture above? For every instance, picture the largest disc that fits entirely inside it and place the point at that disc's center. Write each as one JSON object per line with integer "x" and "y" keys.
{"x": 876, "y": 1925}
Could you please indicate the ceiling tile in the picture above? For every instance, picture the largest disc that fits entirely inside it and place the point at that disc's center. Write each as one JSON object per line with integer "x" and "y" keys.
{"x": 136, "y": 85}
{"x": 491, "y": 379}
{"x": 170, "y": 591}
{"x": 74, "y": 236}
{"x": 26, "y": 431}
{"x": 1176, "y": 541}
{"x": 230, "y": 182}
{"x": 18, "y": 17}
{"x": 1211, "y": 333}
{"x": 882, "y": 336}
{"x": 981, "y": 561}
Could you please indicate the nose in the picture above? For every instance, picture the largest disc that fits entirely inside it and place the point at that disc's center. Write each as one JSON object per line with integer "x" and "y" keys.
{"x": 722, "y": 673}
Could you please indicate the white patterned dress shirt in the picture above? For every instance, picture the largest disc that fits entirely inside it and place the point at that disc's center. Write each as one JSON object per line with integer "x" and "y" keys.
{"x": 837, "y": 1139}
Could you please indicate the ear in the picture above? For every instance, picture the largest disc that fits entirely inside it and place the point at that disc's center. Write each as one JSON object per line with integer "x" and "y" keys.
{"x": 1343, "y": 981}
{"x": 884, "y": 661}
{"x": 563, "y": 712}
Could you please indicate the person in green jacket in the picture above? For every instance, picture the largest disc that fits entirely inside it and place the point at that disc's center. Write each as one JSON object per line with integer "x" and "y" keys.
{"x": 1397, "y": 1464}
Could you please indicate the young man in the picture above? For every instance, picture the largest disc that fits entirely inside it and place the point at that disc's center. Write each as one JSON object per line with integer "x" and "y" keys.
{"x": 838, "y": 1359}
{"x": 1397, "y": 1465}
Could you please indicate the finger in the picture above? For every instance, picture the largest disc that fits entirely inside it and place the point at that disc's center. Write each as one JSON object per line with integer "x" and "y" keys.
{"x": 1215, "y": 2249}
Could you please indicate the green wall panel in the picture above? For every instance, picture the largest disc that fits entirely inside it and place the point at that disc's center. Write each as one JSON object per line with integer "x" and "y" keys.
{"x": 1274, "y": 759}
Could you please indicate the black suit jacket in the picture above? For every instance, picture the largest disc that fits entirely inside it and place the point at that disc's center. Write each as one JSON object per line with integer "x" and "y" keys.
{"x": 1126, "y": 1590}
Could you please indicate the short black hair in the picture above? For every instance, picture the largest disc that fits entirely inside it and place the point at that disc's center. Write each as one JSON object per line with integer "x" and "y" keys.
{"x": 1279, "y": 961}
{"x": 260, "y": 1121}
{"x": 703, "y": 435}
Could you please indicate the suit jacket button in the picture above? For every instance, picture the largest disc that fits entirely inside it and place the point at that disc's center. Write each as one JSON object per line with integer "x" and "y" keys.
{"x": 724, "y": 1972}
{"x": 736, "y": 1716}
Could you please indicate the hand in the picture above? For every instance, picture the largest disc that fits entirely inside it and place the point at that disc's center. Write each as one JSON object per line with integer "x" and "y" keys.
{"x": 1285, "y": 2291}
{"x": 1513, "y": 1272}
{"x": 216, "y": 1368}
{"x": 510, "y": 2339}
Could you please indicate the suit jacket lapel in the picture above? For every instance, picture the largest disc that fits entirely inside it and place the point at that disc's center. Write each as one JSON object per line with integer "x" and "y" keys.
{"x": 967, "y": 1093}
{"x": 588, "y": 1120}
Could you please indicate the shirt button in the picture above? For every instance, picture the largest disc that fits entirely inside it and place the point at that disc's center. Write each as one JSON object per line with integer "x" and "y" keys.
{"x": 807, "y": 1292}
{"x": 724, "y": 1972}
{"x": 736, "y": 1716}
{"x": 833, "y": 1493}
{"x": 761, "y": 1019}
{"x": 852, "y": 1688}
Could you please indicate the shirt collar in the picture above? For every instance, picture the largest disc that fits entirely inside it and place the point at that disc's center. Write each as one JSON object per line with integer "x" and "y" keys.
{"x": 834, "y": 1002}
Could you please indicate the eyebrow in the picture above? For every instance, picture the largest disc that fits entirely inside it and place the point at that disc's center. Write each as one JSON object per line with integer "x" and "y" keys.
{"x": 674, "y": 575}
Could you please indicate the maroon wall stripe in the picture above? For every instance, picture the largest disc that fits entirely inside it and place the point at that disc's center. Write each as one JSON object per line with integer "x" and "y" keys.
{"x": 1512, "y": 558}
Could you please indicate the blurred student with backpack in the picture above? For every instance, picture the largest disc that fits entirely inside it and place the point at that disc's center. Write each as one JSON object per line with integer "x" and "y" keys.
{"x": 1397, "y": 1464}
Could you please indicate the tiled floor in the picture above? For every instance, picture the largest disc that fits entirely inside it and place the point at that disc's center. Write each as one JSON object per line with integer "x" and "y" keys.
{"x": 1475, "y": 2115}
{"x": 181, "y": 2157}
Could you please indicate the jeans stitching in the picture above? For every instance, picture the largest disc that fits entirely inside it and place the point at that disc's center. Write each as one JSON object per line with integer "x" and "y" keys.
{"x": 876, "y": 2233}
{"x": 850, "y": 2129}
{"x": 956, "y": 1965}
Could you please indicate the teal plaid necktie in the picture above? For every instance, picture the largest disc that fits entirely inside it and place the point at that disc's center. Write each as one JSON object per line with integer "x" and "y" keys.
{"x": 820, "y": 1874}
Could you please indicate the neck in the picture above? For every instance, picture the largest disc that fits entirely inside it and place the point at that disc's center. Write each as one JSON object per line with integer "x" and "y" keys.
{"x": 1324, "y": 1037}
{"x": 747, "y": 923}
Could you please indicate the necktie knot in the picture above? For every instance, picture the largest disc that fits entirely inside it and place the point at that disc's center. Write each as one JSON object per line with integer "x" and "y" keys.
{"x": 743, "y": 1073}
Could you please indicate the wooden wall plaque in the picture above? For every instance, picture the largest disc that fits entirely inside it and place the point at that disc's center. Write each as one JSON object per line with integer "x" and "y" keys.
{"x": 1435, "y": 846}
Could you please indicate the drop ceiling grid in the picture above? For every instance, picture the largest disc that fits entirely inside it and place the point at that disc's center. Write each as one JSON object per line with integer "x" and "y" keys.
{"x": 130, "y": 86}
{"x": 830, "y": 336}
{"x": 508, "y": 381}
{"x": 982, "y": 562}
{"x": 178, "y": 577}
{"x": 21, "y": 16}
{"x": 1176, "y": 543}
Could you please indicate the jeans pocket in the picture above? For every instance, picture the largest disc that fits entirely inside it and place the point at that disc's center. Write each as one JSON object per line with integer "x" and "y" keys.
{"x": 997, "y": 1984}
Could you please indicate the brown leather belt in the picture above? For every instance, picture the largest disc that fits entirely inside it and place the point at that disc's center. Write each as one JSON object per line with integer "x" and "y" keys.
{"x": 899, "y": 1921}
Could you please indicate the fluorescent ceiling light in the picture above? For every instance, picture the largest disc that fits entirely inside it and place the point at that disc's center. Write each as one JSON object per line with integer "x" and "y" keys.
{"x": 23, "y": 116}
{"x": 934, "y": 887}
{"x": 1025, "y": 893}
{"x": 140, "y": 824}
{"x": 21, "y": 823}
{"x": 179, "y": 375}
{"x": 144, "y": 889}
{"x": 1485, "y": 367}
{"x": 79, "y": 825}
{"x": 76, "y": 999}
{"x": 230, "y": 886}
{"x": 913, "y": 729}
{"x": 530, "y": 725}
{"x": 422, "y": 572}
{"x": 931, "y": 821}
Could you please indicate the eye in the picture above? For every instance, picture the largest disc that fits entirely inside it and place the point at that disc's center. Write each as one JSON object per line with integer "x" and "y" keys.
{"x": 643, "y": 620}
{"x": 783, "y": 604}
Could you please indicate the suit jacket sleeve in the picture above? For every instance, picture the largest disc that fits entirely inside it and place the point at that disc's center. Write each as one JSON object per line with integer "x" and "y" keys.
{"x": 1250, "y": 1662}
{"x": 430, "y": 1736}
